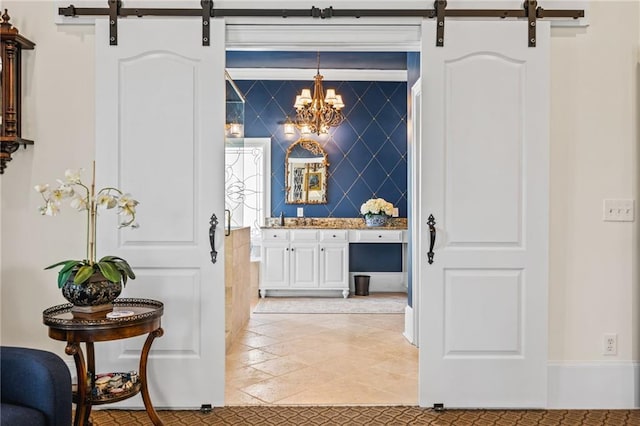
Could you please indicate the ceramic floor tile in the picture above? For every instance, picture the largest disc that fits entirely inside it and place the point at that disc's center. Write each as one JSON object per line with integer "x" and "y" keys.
{"x": 237, "y": 397}
{"x": 279, "y": 366}
{"x": 245, "y": 376}
{"x": 342, "y": 359}
{"x": 250, "y": 356}
{"x": 272, "y": 390}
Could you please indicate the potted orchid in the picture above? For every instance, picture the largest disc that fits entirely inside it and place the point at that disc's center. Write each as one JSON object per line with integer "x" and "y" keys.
{"x": 79, "y": 277}
{"x": 376, "y": 211}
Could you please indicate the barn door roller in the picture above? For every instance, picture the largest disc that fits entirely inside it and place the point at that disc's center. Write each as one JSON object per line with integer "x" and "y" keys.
{"x": 530, "y": 11}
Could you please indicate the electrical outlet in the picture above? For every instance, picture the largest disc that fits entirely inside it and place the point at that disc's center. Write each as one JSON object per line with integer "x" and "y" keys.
{"x": 396, "y": 212}
{"x": 300, "y": 212}
{"x": 618, "y": 210}
{"x": 610, "y": 344}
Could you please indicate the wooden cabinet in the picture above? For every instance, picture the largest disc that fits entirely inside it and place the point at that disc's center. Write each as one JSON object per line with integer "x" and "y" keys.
{"x": 11, "y": 46}
{"x": 304, "y": 259}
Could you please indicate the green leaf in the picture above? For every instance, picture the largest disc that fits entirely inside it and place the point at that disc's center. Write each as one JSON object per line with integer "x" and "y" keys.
{"x": 109, "y": 271}
{"x": 112, "y": 259}
{"x": 126, "y": 269}
{"x": 64, "y": 262}
{"x": 83, "y": 274}
{"x": 70, "y": 265}
{"x": 63, "y": 277}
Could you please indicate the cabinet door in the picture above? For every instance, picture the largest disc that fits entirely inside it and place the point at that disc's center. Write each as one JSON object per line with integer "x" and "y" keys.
{"x": 304, "y": 265}
{"x": 334, "y": 261}
{"x": 275, "y": 265}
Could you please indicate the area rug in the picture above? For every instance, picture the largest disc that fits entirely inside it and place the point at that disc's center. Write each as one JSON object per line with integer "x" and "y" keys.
{"x": 369, "y": 416}
{"x": 375, "y": 303}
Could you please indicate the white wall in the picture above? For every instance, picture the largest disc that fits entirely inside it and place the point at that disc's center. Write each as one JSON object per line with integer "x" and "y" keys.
{"x": 594, "y": 271}
{"x": 58, "y": 112}
{"x": 593, "y": 264}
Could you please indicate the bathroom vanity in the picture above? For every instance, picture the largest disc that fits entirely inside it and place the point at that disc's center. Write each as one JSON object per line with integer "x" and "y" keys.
{"x": 311, "y": 256}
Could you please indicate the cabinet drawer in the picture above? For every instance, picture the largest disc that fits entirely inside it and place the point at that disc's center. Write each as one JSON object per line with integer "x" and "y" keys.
{"x": 304, "y": 235}
{"x": 337, "y": 235}
{"x": 373, "y": 236}
{"x": 275, "y": 235}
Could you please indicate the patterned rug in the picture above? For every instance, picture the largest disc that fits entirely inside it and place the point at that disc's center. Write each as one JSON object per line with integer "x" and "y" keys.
{"x": 374, "y": 303}
{"x": 370, "y": 416}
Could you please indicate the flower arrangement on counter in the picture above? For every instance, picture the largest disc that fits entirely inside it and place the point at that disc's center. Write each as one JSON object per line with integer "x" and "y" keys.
{"x": 85, "y": 198}
{"x": 376, "y": 206}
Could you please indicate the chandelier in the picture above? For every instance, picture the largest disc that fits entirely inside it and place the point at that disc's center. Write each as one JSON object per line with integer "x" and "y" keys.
{"x": 318, "y": 113}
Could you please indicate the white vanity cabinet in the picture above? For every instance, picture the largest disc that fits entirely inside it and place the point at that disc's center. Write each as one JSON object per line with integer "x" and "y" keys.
{"x": 334, "y": 259}
{"x": 303, "y": 255}
{"x": 274, "y": 266}
{"x": 304, "y": 259}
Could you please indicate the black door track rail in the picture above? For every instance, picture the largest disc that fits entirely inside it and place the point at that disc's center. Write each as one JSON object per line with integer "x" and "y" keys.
{"x": 530, "y": 10}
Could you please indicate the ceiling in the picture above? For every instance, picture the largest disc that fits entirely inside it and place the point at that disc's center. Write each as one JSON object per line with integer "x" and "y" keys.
{"x": 328, "y": 60}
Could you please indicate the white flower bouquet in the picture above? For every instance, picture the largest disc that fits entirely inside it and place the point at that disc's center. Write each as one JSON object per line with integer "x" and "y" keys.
{"x": 376, "y": 206}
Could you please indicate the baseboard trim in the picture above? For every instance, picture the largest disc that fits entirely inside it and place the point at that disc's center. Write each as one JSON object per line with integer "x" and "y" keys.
{"x": 408, "y": 324}
{"x": 594, "y": 385}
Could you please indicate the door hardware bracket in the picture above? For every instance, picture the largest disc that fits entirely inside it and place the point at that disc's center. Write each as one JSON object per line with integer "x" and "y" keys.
{"x": 440, "y": 6}
{"x": 530, "y": 7}
{"x": 114, "y": 11}
{"x": 207, "y": 12}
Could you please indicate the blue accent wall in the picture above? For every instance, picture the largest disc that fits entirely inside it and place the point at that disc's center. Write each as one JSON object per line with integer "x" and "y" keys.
{"x": 367, "y": 152}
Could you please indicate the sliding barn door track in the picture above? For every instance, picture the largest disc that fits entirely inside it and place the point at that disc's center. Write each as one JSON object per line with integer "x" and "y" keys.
{"x": 530, "y": 11}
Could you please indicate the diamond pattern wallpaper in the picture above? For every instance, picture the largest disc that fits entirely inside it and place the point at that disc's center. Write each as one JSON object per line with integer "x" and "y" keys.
{"x": 367, "y": 152}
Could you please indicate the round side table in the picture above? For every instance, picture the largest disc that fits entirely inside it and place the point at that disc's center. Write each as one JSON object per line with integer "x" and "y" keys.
{"x": 143, "y": 318}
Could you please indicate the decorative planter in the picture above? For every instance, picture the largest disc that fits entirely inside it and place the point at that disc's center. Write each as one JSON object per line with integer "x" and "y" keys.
{"x": 94, "y": 295}
{"x": 375, "y": 219}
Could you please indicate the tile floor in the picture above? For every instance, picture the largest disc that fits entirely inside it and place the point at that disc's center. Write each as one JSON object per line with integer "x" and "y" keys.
{"x": 345, "y": 359}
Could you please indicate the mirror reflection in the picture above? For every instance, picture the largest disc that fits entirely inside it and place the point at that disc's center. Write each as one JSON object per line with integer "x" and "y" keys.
{"x": 306, "y": 173}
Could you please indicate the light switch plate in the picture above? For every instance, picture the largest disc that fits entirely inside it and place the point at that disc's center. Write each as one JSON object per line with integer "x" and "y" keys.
{"x": 615, "y": 210}
{"x": 300, "y": 212}
{"x": 396, "y": 213}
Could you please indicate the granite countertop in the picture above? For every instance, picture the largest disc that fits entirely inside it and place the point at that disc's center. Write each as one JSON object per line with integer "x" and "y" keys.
{"x": 331, "y": 223}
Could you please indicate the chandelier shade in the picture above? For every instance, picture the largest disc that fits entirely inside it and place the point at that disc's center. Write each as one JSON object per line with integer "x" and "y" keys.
{"x": 318, "y": 112}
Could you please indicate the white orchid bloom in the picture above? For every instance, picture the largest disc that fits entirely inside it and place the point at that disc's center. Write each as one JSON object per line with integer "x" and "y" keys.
{"x": 127, "y": 205}
{"x": 51, "y": 209}
{"x": 67, "y": 190}
{"x": 41, "y": 188}
{"x": 106, "y": 201}
{"x": 72, "y": 176}
{"x": 79, "y": 203}
{"x": 57, "y": 195}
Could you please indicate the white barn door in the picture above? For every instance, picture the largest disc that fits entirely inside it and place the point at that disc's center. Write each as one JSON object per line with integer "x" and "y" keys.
{"x": 484, "y": 156}
{"x": 160, "y": 136}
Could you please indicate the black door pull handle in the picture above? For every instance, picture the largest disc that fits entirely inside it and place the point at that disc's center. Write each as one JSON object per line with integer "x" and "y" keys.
{"x": 432, "y": 231}
{"x": 213, "y": 223}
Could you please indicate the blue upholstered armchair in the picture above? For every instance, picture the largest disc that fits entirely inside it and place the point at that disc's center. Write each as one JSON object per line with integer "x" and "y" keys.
{"x": 36, "y": 388}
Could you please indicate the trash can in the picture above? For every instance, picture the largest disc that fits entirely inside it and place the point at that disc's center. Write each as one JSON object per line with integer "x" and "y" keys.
{"x": 362, "y": 284}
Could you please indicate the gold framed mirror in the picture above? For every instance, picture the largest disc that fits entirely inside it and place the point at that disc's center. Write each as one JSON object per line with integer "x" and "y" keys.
{"x": 306, "y": 173}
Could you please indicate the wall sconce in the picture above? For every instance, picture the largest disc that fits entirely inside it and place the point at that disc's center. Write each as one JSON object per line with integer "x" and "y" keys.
{"x": 289, "y": 128}
{"x": 234, "y": 129}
